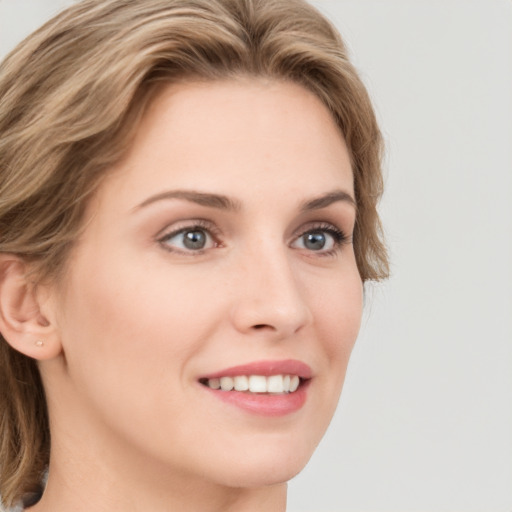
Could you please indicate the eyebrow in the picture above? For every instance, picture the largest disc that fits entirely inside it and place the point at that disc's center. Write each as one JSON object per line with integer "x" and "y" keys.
{"x": 202, "y": 198}
{"x": 223, "y": 202}
{"x": 326, "y": 200}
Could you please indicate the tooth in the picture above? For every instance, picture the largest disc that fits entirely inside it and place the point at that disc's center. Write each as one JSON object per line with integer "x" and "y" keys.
{"x": 214, "y": 383}
{"x": 241, "y": 383}
{"x": 294, "y": 383}
{"x": 275, "y": 384}
{"x": 226, "y": 383}
{"x": 257, "y": 384}
{"x": 286, "y": 383}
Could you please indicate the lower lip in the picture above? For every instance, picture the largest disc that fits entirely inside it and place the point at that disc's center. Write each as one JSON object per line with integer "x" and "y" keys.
{"x": 264, "y": 404}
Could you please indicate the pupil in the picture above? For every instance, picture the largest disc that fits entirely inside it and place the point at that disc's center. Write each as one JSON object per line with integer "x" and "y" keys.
{"x": 194, "y": 240}
{"x": 314, "y": 241}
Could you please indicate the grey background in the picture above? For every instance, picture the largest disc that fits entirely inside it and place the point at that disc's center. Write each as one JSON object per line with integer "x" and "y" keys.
{"x": 425, "y": 421}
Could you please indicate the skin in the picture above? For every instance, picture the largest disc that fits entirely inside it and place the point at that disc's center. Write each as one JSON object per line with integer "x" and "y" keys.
{"x": 137, "y": 319}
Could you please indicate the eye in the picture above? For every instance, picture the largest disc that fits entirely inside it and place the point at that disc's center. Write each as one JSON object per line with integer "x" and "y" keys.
{"x": 322, "y": 239}
{"x": 195, "y": 238}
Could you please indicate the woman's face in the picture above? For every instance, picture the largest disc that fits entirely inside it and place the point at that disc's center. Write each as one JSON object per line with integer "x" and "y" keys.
{"x": 218, "y": 252}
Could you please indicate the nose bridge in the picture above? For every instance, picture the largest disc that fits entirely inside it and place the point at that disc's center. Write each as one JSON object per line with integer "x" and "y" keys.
{"x": 270, "y": 296}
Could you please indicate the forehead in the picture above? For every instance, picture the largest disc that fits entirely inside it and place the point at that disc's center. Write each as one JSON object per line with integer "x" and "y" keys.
{"x": 237, "y": 133}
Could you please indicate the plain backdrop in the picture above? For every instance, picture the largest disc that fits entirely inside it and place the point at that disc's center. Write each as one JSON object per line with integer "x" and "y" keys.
{"x": 425, "y": 421}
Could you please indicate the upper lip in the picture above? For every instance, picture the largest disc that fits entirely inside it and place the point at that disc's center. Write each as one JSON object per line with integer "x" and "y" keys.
{"x": 266, "y": 369}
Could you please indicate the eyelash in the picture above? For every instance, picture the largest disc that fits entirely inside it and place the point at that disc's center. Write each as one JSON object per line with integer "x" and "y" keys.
{"x": 339, "y": 237}
{"x": 196, "y": 225}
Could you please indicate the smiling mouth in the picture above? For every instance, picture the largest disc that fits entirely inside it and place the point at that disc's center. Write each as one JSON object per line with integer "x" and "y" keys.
{"x": 257, "y": 384}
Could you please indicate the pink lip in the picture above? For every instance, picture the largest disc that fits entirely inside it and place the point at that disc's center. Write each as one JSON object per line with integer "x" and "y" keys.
{"x": 265, "y": 404}
{"x": 266, "y": 368}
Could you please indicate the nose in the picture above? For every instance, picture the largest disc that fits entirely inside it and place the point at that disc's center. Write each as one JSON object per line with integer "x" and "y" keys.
{"x": 270, "y": 298}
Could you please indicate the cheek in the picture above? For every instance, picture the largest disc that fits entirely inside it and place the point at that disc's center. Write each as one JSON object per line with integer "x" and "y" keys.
{"x": 338, "y": 312}
{"x": 129, "y": 338}
{"x": 131, "y": 328}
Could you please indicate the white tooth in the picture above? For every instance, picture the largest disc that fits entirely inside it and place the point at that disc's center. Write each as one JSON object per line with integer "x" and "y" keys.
{"x": 226, "y": 383}
{"x": 241, "y": 383}
{"x": 257, "y": 384}
{"x": 286, "y": 383}
{"x": 214, "y": 383}
{"x": 275, "y": 384}
{"x": 294, "y": 383}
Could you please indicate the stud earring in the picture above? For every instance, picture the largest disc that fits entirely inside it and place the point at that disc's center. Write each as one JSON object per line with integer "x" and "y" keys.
{"x": 39, "y": 343}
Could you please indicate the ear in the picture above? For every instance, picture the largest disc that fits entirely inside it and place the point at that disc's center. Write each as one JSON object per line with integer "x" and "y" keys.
{"x": 23, "y": 322}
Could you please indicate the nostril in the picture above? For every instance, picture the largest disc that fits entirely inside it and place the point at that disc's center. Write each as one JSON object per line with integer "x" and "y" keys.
{"x": 259, "y": 327}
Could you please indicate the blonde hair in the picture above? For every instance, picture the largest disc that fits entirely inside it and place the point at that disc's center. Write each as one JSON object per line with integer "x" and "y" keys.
{"x": 71, "y": 95}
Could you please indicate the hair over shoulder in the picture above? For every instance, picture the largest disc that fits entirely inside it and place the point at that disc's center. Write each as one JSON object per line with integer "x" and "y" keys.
{"x": 71, "y": 96}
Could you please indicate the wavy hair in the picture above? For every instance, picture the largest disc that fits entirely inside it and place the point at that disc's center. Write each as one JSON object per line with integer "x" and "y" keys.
{"x": 71, "y": 95}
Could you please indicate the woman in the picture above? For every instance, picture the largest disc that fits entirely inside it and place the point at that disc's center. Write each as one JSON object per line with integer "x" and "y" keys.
{"x": 188, "y": 214}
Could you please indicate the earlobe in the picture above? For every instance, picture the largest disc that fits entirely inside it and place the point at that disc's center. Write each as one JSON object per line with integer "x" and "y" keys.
{"x": 22, "y": 322}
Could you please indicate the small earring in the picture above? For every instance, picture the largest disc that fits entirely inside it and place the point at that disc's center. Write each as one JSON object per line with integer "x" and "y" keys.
{"x": 39, "y": 343}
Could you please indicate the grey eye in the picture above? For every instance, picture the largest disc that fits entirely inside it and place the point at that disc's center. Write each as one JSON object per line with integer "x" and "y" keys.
{"x": 194, "y": 239}
{"x": 189, "y": 239}
{"x": 321, "y": 240}
{"x": 314, "y": 241}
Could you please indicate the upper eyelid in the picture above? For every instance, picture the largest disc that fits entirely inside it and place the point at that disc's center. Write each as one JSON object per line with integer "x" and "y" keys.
{"x": 212, "y": 227}
{"x": 216, "y": 234}
{"x": 171, "y": 230}
{"x": 320, "y": 225}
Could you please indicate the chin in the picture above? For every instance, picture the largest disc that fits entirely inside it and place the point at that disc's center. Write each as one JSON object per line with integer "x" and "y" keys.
{"x": 262, "y": 476}
{"x": 268, "y": 466}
